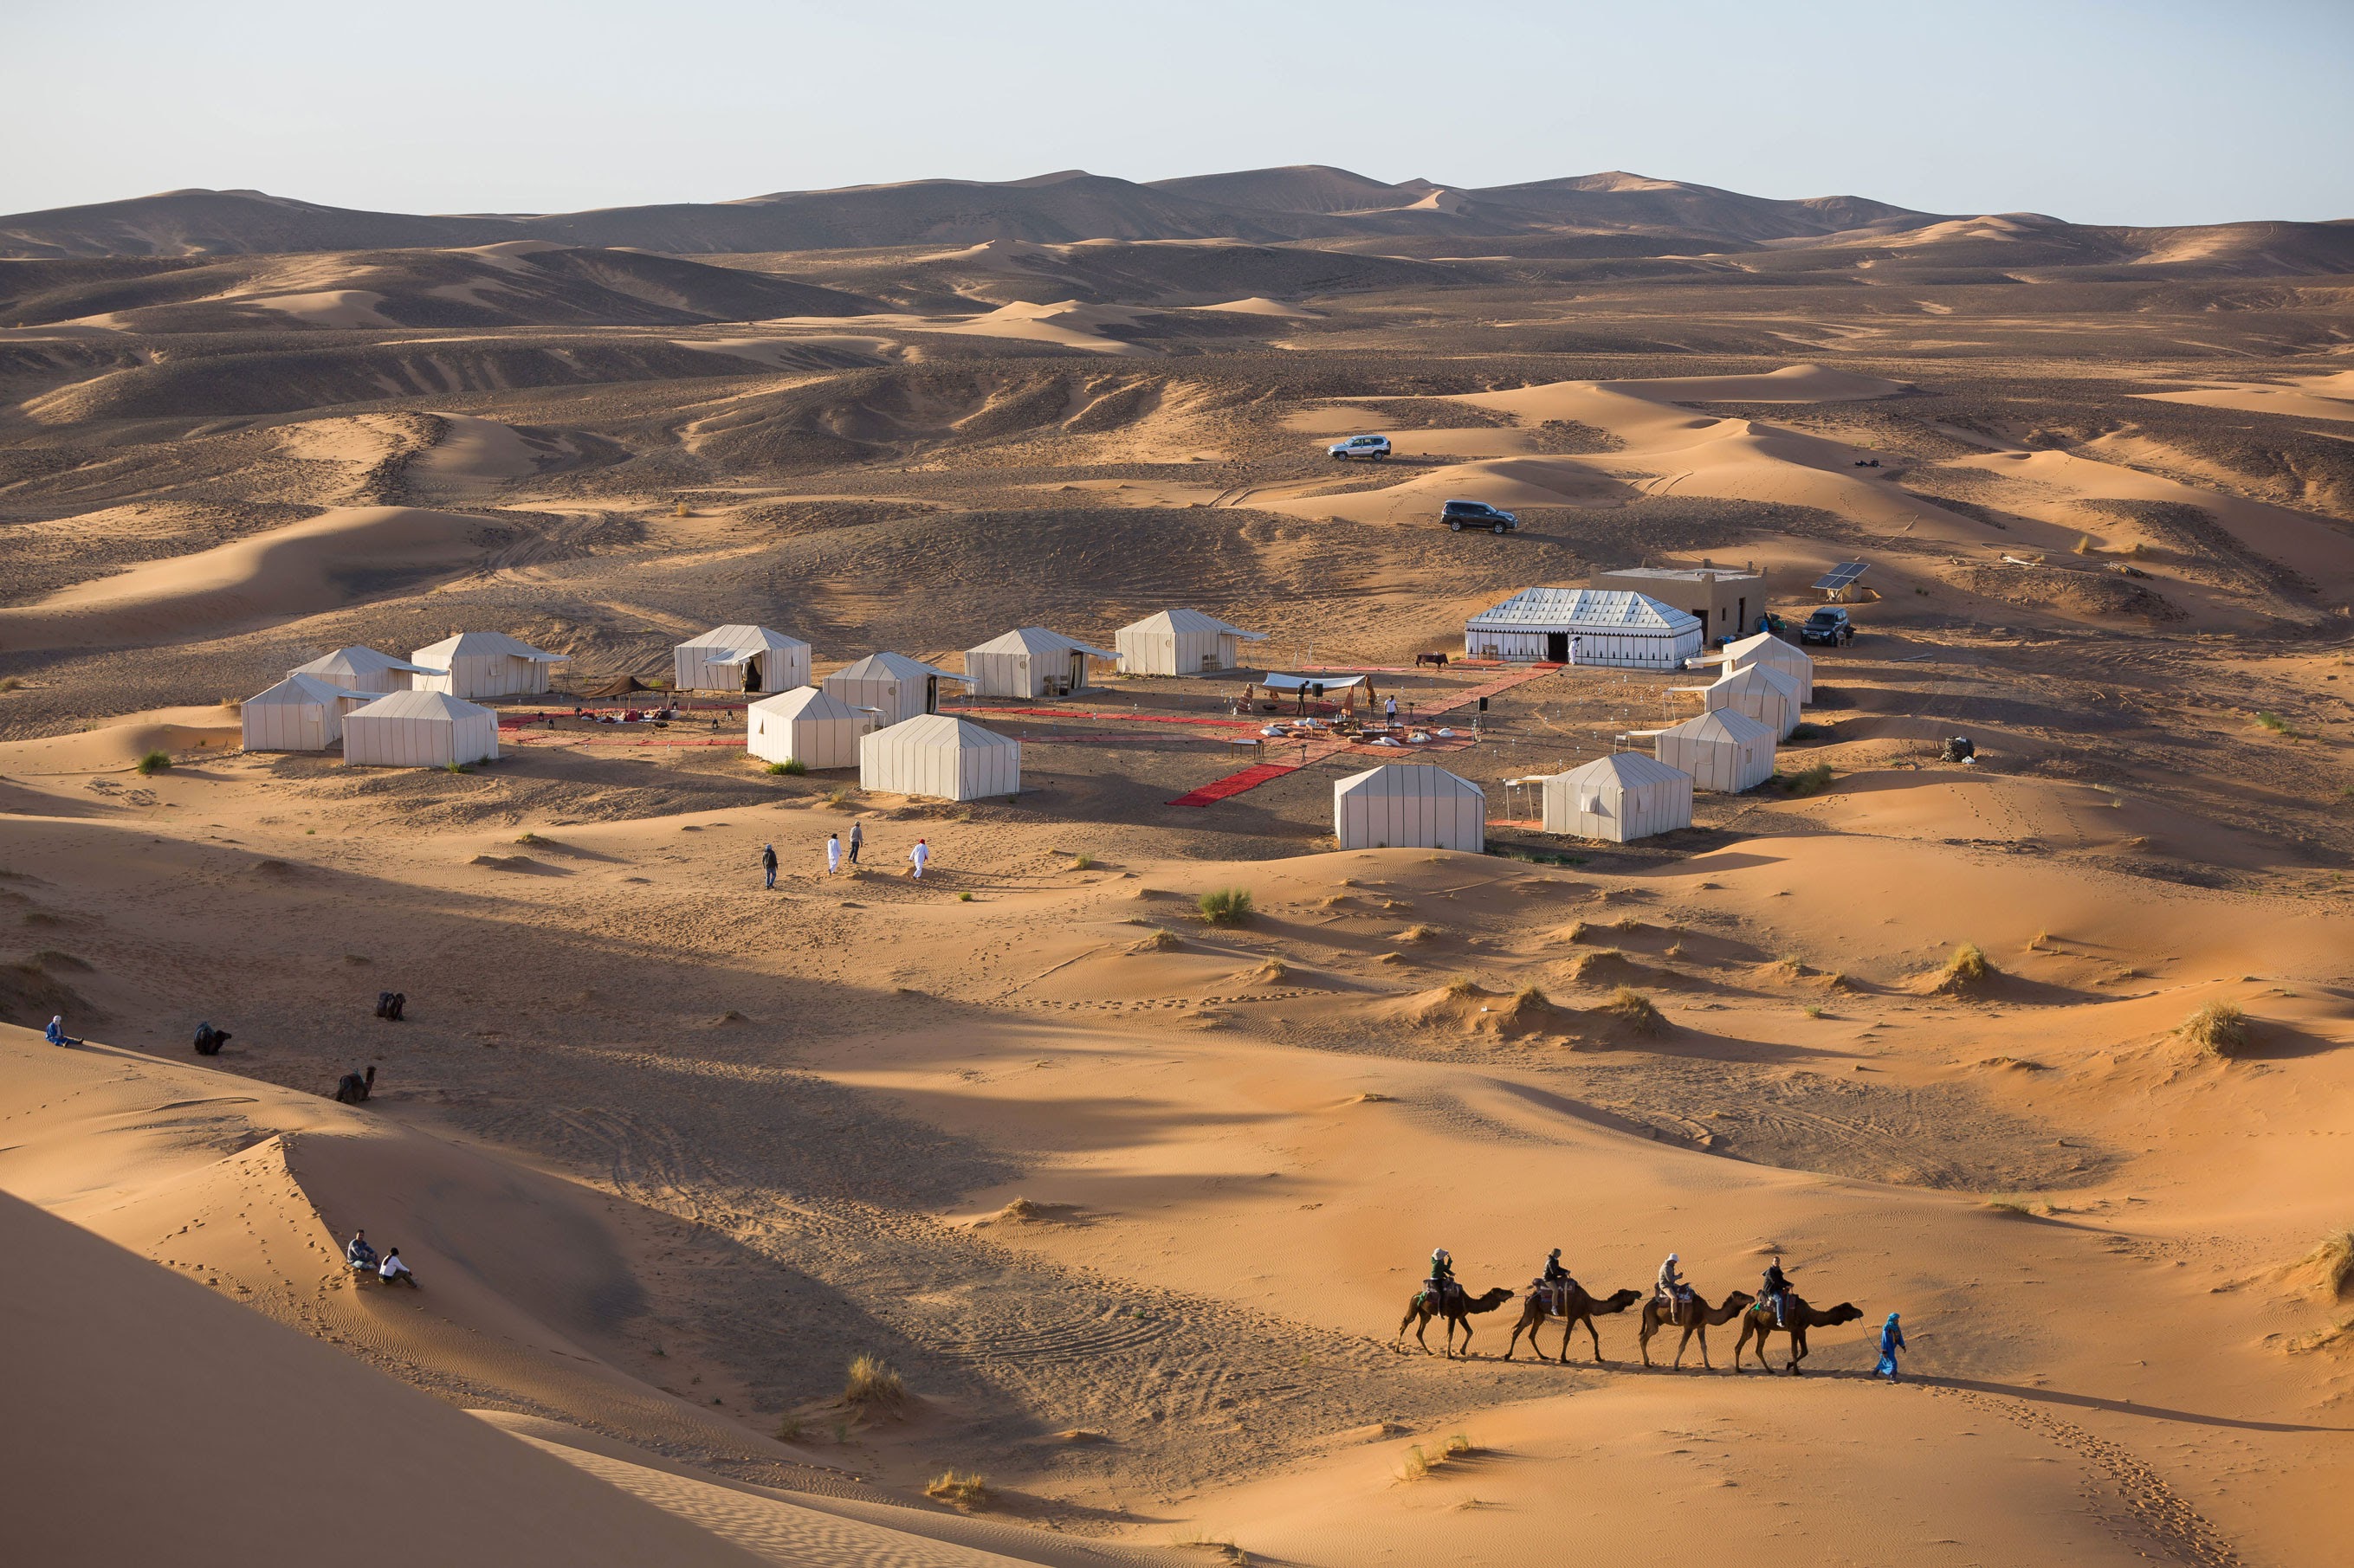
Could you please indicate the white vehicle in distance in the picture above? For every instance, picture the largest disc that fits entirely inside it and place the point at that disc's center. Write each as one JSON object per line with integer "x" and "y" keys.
{"x": 1375, "y": 447}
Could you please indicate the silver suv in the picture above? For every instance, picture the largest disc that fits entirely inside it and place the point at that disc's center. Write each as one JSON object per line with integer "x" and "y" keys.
{"x": 1377, "y": 447}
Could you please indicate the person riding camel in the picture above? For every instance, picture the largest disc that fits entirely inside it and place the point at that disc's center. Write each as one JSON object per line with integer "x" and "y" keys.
{"x": 1442, "y": 1276}
{"x": 1673, "y": 1291}
{"x": 1775, "y": 1285}
{"x": 1554, "y": 1282}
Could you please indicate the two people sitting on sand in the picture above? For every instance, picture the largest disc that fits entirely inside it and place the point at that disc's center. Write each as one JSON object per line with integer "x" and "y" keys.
{"x": 363, "y": 1259}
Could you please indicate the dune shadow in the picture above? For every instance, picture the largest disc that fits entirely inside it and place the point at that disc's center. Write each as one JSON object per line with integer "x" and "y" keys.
{"x": 2093, "y": 1401}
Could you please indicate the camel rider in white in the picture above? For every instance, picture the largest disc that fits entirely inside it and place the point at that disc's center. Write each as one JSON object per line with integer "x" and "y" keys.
{"x": 1671, "y": 1287}
{"x": 1442, "y": 1276}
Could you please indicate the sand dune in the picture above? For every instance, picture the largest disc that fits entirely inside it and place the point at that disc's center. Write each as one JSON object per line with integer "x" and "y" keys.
{"x": 324, "y": 1450}
{"x": 282, "y": 574}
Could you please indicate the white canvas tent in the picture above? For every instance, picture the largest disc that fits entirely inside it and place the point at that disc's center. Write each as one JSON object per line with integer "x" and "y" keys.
{"x": 485, "y": 664}
{"x": 1404, "y": 805}
{"x": 301, "y": 713}
{"x": 1030, "y": 662}
{"x": 1760, "y": 690}
{"x": 1722, "y": 749}
{"x": 895, "y": 686}
{"x": 1769, "y": 650}
{"x": 1182, "y": 643}
{"x": 362, "y": 669}
{"x": 419, "y": 729}
{"x": 807, "y": 726}
{"x": 1583, "y": 625}
{"x": 739, "y": 659}
{"x": 1620, "y": 797}
{"x": 935, "y": 755}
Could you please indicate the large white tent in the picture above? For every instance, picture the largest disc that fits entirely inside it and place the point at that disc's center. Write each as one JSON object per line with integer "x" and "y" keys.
{"x": 807, "y": 726}
{"x": 1623, "y": 796}
{"x": 1766, "y": 649}
{"x": 1182, "y": 643}
{"x": 740, "y": 659}
{"x": 1406, "y": 805}
{"x": 1760, "y": 690}
{"x": 362, "y": 669}
{"x": 895, "y": 686}
{"x": 935, "y": 755}
{"x": 485, "y": 664}
{"x": 1030, "y": 662}
{"x": 301, "y": 713}
{"x": 419, "y": 729}
{"x": 1583, "y": 625}
{"x": 1723, "y": 749}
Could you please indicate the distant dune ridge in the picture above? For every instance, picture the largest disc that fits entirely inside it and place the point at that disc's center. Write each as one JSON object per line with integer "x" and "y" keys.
{"x": 1311, "y": 202}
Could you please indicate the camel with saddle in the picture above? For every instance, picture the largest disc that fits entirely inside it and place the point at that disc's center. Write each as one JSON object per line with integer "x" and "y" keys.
{"x": 1797, "y": 1318}
{"x": 1445, "y": 1298}
{"x": 1567, "y": 1303}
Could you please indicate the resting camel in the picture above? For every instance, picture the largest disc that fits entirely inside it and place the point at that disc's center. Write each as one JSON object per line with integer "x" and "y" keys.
{"x": 1576, "y": 1306}
{"x": 1693, "y": 1317}
{"x": 1798, "y": 1318}
{"x": 350, "y": 1090}
{"x": 1457, "y": 1311}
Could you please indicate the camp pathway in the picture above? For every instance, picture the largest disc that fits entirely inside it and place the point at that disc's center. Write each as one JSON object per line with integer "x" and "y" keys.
{"x": 1502, "y": 684}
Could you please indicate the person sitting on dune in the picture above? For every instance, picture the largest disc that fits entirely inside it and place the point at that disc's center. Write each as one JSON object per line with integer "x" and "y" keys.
{"x": 56, "y": 1032}
{"x": 392, "y": 1271}
{"x": 357, "y": 1253}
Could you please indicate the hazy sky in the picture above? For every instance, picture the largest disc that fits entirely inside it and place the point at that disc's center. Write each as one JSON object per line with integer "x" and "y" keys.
{"x": 2098, "y": 111}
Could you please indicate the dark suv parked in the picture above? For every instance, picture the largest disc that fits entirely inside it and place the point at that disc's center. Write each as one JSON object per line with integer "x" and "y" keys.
{"x": 1461, "y": 514}
{"x": 1828, "y": 624}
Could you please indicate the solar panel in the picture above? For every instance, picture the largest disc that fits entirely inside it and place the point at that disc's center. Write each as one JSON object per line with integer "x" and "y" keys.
{"x": 1840, "y": 576}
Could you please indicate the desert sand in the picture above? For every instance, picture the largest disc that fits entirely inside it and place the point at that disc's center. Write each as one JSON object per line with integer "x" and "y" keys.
{"x": 1129, "y": 1203}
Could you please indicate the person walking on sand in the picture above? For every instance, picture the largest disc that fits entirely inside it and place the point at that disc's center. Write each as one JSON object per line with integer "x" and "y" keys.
{"x": 857, "y": 838}
{"x": 832, "y": 854}
{"x": 768, "y": 866}
{"x": 920, "y": 857}
{"x": 1892, "y": 1339}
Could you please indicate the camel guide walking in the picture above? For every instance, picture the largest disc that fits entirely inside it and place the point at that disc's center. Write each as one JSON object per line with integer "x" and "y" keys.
{"x": 919, "y": 857}
{"x": 832, "y": 854}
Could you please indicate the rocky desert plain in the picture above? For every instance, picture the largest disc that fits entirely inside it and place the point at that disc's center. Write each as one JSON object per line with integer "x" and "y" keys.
{"x": 1126, "y": 1204}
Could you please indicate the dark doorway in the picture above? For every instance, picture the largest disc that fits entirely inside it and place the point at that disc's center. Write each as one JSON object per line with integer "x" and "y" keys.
{"x": 752, "y": 674}
{"x": 1557, "y": 646}
{"x": 931, "y": 693}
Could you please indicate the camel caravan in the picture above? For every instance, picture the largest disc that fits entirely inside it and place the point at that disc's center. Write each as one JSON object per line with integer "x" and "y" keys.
{"x": 1553, "y": 1297}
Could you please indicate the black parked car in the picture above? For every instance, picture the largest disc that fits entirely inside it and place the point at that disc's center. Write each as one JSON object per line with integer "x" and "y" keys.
{"x": 1830, "y": 624}
{"x": 1461, "y": 514}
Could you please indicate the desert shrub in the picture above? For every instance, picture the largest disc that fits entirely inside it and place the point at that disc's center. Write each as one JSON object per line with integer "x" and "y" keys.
{"x": 960, "y": 1489}
{"x": 1462, "y": 985}
{"x": 446, "y": 768}
{"x": 2333, "y": 1260}
{"x": 1530, "y": 996}
{"x": 1272, "y": 970}
{"x": 529, "y": 839}
{"x": 1083, "y": 863}
{"x": 874, "y": 1384}
{"x": 790, "y": 1430}
{"x": 2219, "y": 1029}
{"x": 1226, "y": 906}
{"x": 1634, "y": 1009}
{"x": 154, "y": 762}
{"x": 1968, "y": 966}
{"x": 1418, "y": 934}
{"x": 965, "y": 898}
{"x": 1807, "y": 780}
{"x": 836, "y": 797}
{"x": 11, "y": 683}
{"x": 794, "y": 767}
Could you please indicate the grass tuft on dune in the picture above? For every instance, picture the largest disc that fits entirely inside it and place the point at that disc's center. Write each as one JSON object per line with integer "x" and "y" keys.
{"x": 2219, "y": 1029}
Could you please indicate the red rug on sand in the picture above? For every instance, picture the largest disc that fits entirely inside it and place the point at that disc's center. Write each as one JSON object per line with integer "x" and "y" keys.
{"x": 1250, "y": 777}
